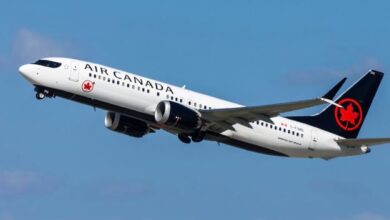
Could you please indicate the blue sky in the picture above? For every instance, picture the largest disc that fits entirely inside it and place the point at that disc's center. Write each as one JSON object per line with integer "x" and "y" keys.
{"x": 57, "y": 161}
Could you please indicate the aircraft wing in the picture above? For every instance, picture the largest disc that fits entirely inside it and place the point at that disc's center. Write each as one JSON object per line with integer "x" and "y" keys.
{"x": 362, "y": 142}
{"x": 244, "y": 115}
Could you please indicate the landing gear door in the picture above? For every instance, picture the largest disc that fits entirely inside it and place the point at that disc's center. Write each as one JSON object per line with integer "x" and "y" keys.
{"x": 74, "y": 72}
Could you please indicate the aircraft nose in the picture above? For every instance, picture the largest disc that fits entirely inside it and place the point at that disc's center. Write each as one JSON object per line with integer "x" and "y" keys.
{"x": 27, "y": 71}
{"x": 23, "y": 69}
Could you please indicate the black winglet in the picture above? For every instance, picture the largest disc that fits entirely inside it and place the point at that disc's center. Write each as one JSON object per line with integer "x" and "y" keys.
{"x": 332, "y": 93}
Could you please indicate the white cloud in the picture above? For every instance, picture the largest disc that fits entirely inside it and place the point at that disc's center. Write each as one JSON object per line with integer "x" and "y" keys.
{"x": 18, "y": 183}
{"x": 29, "y": 46}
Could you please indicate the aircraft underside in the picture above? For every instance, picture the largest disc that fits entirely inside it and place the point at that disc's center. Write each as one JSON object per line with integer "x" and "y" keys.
{"x": 211, "y": 136}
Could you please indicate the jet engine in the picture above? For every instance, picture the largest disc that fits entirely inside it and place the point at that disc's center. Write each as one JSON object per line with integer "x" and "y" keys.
{"x": 177, "y": 116}
{"x": 126, "y": 125}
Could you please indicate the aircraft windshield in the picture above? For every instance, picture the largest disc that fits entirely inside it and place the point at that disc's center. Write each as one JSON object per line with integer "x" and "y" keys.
{"x": 48, "y": 63}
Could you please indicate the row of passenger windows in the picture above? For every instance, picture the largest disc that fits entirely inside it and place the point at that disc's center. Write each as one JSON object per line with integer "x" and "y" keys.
{"x": 119, "y": 83}
{"x": 277, "y": 128}
{"x": 139, "y": 88}
{"x": 190, "y": 103}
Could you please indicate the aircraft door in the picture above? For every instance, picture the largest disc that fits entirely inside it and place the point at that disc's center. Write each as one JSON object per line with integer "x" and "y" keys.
{"x": 313, "y": 140}
{"x": 74, "y": 72}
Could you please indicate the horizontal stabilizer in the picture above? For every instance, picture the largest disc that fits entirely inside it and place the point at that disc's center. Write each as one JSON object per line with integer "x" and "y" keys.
{"x": 362, "y": 142}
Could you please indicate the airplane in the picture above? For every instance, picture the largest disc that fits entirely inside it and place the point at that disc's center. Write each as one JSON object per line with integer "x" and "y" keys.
{"x": 137, "y": 106}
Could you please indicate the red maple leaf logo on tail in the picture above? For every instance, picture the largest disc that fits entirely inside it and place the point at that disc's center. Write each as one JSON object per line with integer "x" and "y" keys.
{"x": 348, "y": 115}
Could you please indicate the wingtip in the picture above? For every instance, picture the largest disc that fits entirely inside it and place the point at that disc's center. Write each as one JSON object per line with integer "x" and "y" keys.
{"x": 332, "y": 93}
{"x": 376, "y": 72}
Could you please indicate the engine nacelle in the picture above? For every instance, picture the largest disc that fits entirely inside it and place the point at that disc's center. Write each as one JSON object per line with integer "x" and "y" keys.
{"x": 177, "y": 116}
{"x": 126, "y": 125}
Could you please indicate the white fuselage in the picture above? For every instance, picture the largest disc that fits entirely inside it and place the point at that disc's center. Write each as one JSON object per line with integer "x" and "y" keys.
{"x": 140, "y": 94}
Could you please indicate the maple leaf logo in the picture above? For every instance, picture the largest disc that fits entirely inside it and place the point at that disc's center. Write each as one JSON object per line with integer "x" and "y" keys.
{"x": 350, "y": 117}
{"x": 87, "y": 86}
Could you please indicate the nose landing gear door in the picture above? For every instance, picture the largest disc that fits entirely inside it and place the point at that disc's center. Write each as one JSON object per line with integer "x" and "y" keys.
{"x": 74, "y": 72}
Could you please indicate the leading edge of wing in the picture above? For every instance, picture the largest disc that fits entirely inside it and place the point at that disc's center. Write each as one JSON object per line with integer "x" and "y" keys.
{"x": 238, "y": 115}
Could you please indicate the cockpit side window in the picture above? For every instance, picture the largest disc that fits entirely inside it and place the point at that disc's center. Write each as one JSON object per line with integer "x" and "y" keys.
{"x": 48, "y": 63}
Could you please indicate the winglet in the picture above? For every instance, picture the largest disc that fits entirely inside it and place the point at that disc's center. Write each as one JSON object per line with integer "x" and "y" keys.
{"x": 332, "y": 93}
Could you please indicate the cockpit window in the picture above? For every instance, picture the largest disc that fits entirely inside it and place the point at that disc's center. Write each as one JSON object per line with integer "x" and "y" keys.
{"x": 48, "y": 63}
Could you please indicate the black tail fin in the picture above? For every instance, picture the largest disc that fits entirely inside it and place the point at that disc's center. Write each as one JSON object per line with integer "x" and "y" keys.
{"x": 356, "y": 101}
